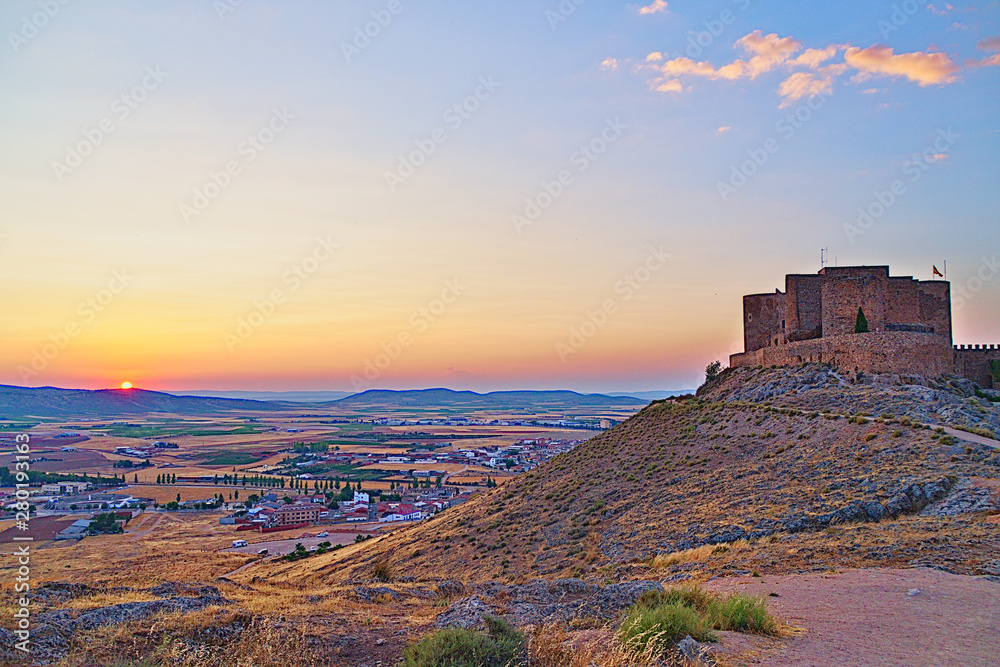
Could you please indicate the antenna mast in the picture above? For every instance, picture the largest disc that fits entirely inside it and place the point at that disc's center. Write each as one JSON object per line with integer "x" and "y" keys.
{"x": 822, "y": 257}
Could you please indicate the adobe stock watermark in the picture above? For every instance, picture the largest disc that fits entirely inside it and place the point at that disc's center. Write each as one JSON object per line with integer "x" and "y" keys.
{"x": 900, "y": 16}
{"x": 698, "y": 42}
{"x": 562, "y": 12}
{"x": 121, "y": 108}
{"x": 22, "y": 581}
{"x": 224, "y": 7}
{"x": 363, "y": 35}
{"x": 580, "y": 161}
{"x": 293, "y": 278}
{"x": 793, "y": 121}
{"x": 247, "y": 150}
{"x": 32, "y": 25}
{"x": 420, "y": 320}
{"x": 454, "y": 117}
{"x": 625, "y": 289}
{"x": 914, "y": 169}
{"x": 88, "y": 310}
{"x": 966, "y": 291}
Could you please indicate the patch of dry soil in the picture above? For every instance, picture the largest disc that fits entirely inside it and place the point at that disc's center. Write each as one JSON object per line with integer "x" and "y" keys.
{"x": 879, "y": 618}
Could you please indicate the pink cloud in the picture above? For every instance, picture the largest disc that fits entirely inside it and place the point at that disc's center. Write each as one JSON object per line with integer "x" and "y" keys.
{"x": 924, "y": 68}
{"x": 804, "y": 84}
{"x": 808, "y": 72}
{"x": 655, "y": 8}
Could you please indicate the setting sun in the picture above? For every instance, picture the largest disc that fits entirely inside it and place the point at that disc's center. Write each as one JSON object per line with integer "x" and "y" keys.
{"x": 126, "y": 385}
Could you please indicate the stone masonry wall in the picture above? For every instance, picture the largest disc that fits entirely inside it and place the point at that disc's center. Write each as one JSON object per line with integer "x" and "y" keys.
{"x": 882, "y": 352}
{"x": 973, "y": 363}
{"x": 804, "y": 309}
{"x": 763, "y": 315}
{"x": 843, "y": 297}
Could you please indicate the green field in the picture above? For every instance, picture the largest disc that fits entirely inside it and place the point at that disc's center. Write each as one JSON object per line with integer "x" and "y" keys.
{"x": 137, "y": 431}
{"x": 231, "y": 459}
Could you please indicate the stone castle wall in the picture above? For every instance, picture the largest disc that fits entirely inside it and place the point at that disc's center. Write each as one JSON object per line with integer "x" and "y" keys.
{"x": 875, "y": 352}
{"x": 763, "y": 315}
{"x": 843, "y": 297}
{"x": 974, "y": 363}
{"x": 813, "y": 320}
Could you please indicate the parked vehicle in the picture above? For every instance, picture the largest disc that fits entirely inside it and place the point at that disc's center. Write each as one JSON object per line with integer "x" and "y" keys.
{"x": 323, "y": 534}
{"x": 262, "y": 552}
{"x": 239, "y": 543}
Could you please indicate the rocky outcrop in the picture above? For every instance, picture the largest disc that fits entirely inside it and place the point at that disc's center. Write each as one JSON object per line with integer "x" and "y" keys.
{"x": 955, "y": 401}
{"x": 540, "y": 601}
{"x": 52, "y": 632}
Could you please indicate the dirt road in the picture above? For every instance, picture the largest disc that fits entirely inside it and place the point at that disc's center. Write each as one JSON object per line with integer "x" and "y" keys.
{"x": 879, "y": 618}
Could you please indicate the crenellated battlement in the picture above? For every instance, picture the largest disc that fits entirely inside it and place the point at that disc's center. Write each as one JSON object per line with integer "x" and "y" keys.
{"x": 907, "y": 326}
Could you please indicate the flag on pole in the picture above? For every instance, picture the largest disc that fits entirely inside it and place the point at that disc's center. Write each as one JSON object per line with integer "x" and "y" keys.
{"x": 936, "y": 272}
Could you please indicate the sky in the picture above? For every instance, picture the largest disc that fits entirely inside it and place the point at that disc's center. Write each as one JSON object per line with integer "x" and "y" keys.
{"x": 263, "y": 195}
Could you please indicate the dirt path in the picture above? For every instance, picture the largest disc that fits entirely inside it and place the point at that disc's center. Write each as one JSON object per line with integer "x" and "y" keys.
{"x": 971, "y": 437}
{"x": 874, "y": 618}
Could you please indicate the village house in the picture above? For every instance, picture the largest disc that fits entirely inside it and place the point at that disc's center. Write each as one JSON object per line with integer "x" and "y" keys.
{"x": 296, "y": 513}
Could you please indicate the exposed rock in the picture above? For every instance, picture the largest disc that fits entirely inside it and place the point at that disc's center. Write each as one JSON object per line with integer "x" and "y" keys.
{"x": 965, "y": 499}
{"x": 52, "y": 632}
{"x": 467, "y": 613}
{"x": 450, "y": 588}
{"x": 173, "y": 589}
{"x": 568, "y": 587}
{"x": 991, "y": 568}
{"x": 540, "y": 601}
{"x": 689, "y": 648}
{"x": 372, "y": 594}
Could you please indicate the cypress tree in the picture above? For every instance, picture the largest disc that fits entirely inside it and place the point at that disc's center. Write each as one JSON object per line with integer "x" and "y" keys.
{"x": 861, "y": 324}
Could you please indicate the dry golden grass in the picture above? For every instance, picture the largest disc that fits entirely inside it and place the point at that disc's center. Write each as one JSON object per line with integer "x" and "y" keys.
{"x": 700, "y": 554}
{"x": 180, "y": 547}
{"x": 553, "y": 646}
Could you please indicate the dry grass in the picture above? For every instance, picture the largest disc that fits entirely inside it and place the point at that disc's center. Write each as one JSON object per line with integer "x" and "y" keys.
{"x": 700, "y": 554}
{"x": 553, "y": 646}
{"x": 178, "y": 641}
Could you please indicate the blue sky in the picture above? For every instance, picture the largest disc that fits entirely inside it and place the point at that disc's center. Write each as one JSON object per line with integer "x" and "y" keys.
{"x": 923, "y": 81}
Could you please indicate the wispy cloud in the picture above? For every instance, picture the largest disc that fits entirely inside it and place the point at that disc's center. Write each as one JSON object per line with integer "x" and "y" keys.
{"x": 655, "y": 8}
{"x": 989, "y": 44}
{"x": 940, "y": 12}
{"x": 808, "y": 71}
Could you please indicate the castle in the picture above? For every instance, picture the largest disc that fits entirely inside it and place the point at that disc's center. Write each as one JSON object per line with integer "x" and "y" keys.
{"x": 861, "y": 319}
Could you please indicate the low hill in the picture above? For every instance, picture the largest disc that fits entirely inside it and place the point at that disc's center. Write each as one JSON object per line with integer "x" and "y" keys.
{"x": 514, "y": 400}
{"x": 50, "y": 402}
{"x": 717, "y": 486}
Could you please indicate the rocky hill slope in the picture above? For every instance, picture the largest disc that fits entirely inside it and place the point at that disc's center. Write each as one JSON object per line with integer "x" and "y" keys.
{"x": 801, "y": 477}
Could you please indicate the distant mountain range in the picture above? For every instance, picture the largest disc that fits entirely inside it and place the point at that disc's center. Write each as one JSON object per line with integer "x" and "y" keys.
{"x": 289, "y": 396}
{"x": 51, "y": 402}
{"x": 427, "y": 398}
{"x": 46, "y": 402}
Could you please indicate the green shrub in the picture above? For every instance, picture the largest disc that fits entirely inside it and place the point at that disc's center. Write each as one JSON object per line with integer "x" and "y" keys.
{"x": 688, "y": 596}
{"x": 500, "y": 646}
{"x": 742, "y": 613}
{"x": 660, "y": 619}
{"x": 655, "y": 630}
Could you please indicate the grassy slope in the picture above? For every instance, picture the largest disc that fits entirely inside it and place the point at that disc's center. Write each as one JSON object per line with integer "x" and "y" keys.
{"x": 674, "y": 476}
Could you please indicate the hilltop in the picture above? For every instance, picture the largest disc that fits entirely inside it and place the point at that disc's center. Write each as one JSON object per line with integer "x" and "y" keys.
{"x": 803, "y": 479}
